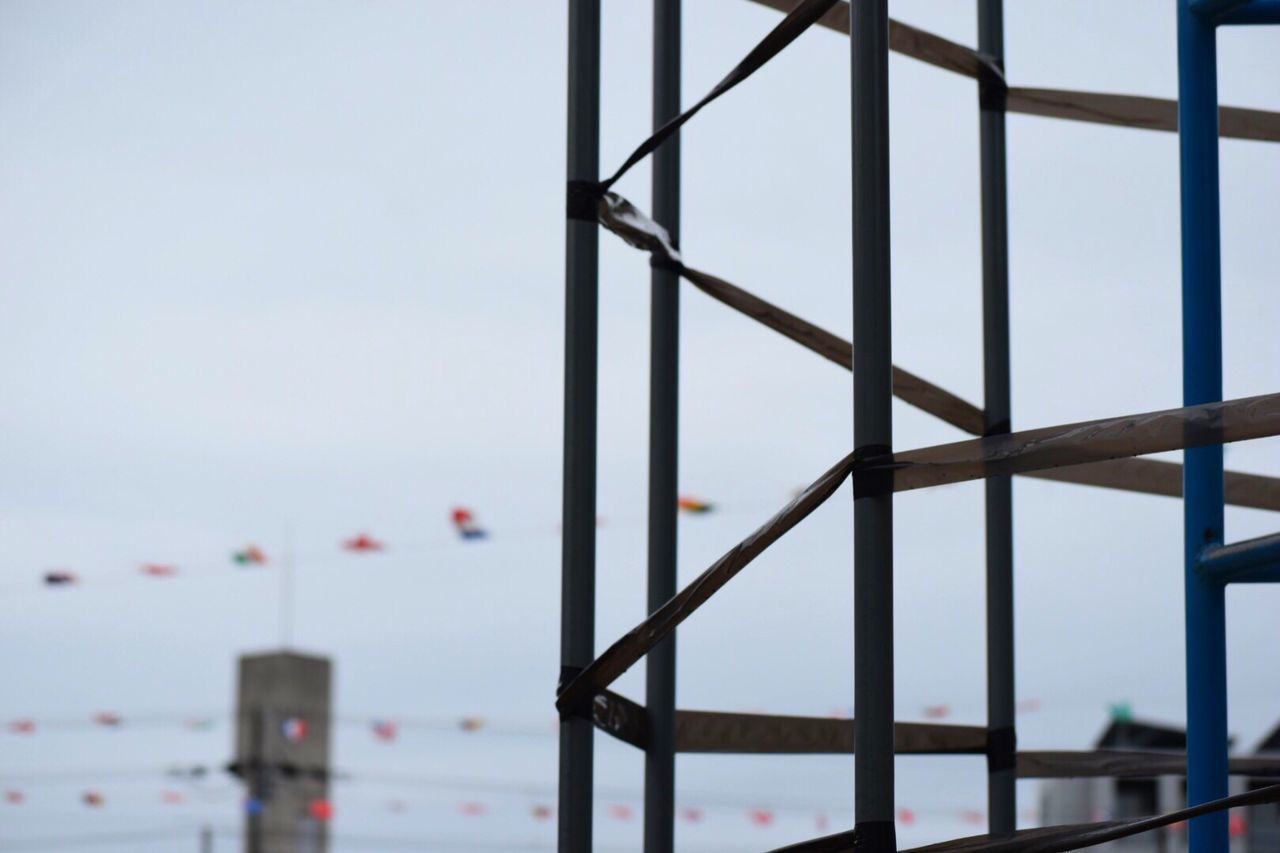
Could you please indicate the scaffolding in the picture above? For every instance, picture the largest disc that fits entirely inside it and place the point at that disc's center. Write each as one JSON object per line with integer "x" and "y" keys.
{"x": 1101, "y": 453}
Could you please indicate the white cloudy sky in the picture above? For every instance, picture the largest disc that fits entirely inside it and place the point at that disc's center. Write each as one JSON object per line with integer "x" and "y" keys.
{"x": 298, "y": 266}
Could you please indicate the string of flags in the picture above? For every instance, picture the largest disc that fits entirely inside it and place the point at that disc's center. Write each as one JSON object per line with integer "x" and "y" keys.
{"x": 543, "y": 812}
{"x": 383, "y": 729}
{"x": 463, "y": 520}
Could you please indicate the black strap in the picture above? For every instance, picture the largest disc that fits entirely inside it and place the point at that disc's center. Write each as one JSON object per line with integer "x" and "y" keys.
{"x": 789, "y": 28}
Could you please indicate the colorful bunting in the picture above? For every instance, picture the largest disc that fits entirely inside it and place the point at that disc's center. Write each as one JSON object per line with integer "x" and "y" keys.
{"x": 60, "y": 578}
{"x": 93, "y": 799}
{"x": 906, "y": 816}
{"x": 295, "y": 729}
{"x": 761, "y": 817}
{"x": 14, "y": 797}
{"x": 692, "y": 505}
{"x": 820, "y": 821}
{"x": 691, "y": 814}
{"x": 385, "y": 730}
{"x": 253, "y": 806}
{"x": 158, "y": 570}
{"x": 473, "y": 809}
{"x": 363, "y": 543}
{"x": 172, "y": 798}
{"x": 937, "y": 712}
{"x": 108, "y": 718}
{"x": 972, "y": 816}
{"x": 471, "y": 724}
{"x": 199, "y": 724}
{"x": 1237, "y": 825}
{"x": 23, "y": 727}
{"x": 465, "y": 523}
{"x": 541, "y": 811}
{"x": 1027, "y": 706}
{"x": 621, "y": 811}
{"x": 321, "y": 810}
{"x": 251, "y": 555}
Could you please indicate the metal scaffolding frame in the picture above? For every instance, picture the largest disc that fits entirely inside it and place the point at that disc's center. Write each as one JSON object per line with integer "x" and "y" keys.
{"x": 1100, "y": 453}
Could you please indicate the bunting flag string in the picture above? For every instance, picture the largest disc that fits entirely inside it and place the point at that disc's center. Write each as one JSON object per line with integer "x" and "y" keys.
{"x": 463, "y": 520}
{"x": 616, "y": 809}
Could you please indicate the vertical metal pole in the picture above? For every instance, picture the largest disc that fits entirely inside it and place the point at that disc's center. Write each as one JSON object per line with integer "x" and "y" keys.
{"x": 664, "y": 385}
{"x": 577, "y": 592}
{"x": 1002, "y": 742}
{"x": 206, "y": 839}
{"x": 1202, "y": 486}
{"x": 872, "y": 431}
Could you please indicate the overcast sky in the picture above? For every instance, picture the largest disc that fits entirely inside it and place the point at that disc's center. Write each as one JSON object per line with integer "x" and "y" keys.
{"x": 298, "y": 266}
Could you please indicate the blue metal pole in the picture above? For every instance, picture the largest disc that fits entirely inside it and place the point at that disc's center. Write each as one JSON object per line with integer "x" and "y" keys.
{"x": 1202, "y": 383}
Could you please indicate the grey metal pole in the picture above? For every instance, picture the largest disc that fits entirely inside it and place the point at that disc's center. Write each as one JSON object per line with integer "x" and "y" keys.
{"x": 206, "y": 839}
{"x": 577, "y": 591}
{"x": 1002, "y": 741}
{"x": 872, "y": 431}
{"x": 664, "y": 386}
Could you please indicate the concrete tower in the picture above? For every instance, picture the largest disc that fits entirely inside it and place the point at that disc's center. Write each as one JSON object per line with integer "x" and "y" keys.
{"x": 282, "y": 751}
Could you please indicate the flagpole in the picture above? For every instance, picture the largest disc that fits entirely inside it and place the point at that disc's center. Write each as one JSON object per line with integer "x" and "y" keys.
{"x": 286, "y": 587}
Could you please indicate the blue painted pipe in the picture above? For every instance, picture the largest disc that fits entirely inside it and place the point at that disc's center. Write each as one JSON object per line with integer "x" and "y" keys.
{"x": 1255, "y": 12}
{"x": 1202, "y": 383}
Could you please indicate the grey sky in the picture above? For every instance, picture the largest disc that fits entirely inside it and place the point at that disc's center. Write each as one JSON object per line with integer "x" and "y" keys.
{"x": 299, "y": 265}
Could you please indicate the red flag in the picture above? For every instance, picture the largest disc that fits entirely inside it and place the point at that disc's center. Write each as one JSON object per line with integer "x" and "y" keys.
{"x": 158, "y": 570}
{"x": 473, "y": 809}
{"x": 691, "y": 814}
{"x": 906, "y": 816}
{"x": 94, "y": 799}
{"x": 465, "y": 523}
{"x": 363, "y": 543}
{"x": 621, "y": 811}
{"x": 321, "y": 810}
{"x": 937, "y": 712}
{"x": 15, "y": 797}
{"x": 385, "y": 730}
{"x": 107, "y": 718}
{"x": 23, "y": 727}
{"x": 761, "y": 817}
{"x": 1236, "y": 824}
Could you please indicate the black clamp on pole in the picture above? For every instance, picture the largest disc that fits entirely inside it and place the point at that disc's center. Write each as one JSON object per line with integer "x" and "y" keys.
{"x": 582, "y": 200}
{"x": 1002, "y": 749}
{"x": 993, "y": 89}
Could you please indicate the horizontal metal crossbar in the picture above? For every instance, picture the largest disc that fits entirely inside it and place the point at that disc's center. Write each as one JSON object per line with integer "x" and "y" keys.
{"x": 1051, "y": 839}
{"x": 1095, "y": 107}
{"x": 1128, "y": 764}
{"x": 1250, "y": 561}
{"x": 736, "y": 733}
{"x": 1013, "y": 453}
{"x": 1253, "y": 12}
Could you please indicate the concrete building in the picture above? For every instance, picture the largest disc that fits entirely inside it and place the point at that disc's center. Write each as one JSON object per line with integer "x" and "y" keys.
{"x": 1063, "y": 801}
{"x": 282, "y": 751}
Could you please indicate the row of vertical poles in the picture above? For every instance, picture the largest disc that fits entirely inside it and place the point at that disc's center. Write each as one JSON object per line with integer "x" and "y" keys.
{"x": 664, "y": 387}
{"x": 872, "y": 431}
{"x": 1202, "y": 485}
{"x": 1001, "y": 758}
{"x": 577, "y": 591}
